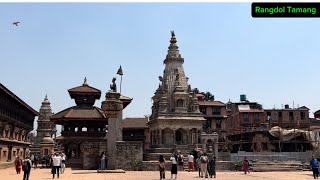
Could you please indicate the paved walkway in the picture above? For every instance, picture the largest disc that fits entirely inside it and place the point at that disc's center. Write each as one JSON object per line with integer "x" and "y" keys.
{"x": 40, "y": 174}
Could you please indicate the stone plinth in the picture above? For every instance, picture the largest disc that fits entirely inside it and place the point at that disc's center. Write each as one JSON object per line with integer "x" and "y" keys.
{"x": 211, "y": 139}
{"x": 112, "y": 107}
{"x": 126, "y": 152}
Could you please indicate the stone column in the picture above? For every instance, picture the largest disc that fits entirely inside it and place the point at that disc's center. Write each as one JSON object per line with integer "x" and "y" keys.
{"x": 24, "y": 153}
{"x": 160, "y": 136}
{"x": 216, "y": 148}
{"x": 9, "y": 153}
{"x": 112, "y": 107}
{"x": 174, "y": 136}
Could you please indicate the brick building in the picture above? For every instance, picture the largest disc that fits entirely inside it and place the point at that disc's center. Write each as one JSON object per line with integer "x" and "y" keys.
{"x": 288, "y": 118}
{"x": 16, "y": 122}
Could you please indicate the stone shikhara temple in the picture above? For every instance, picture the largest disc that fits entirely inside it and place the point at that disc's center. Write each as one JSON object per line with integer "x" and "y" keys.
{"x": 43, "y": 143}
{"x": 175, "y": 118}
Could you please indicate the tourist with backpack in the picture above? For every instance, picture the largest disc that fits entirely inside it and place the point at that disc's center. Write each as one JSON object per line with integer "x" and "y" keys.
{"x": 180, "y": 161}
{"x": 18, "y": 164}
{"x": 204, "y": 162}
{"x": 26, "y": 168}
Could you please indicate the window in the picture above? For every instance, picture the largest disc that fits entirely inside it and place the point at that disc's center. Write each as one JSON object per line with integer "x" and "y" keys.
{"x": 203, "y": 110}
{"x": 245, "y": 117}
{"x": 14, "y": 153}
{"x": 216, "y": 110}
{"x": 218, "y": 123}
{"x": 4, "y": 153}
{"x": 279, "y": 115}
{"x": 302, "y": 115}
{"x": 291, "y": 116}
{"x": 256, "y": 117}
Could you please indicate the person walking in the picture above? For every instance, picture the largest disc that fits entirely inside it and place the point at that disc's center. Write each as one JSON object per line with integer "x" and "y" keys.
{"x": 195, "y": 157}
{"x": 103, "y": 161}
{"x": 18, "y": 164}
{"x": 174, "y": 168}
{"x": 204, "y": 162}
{"x": 63, "y": 162}
{"x": 245, "y": 166}
{"x": 32, "y": 160}
{"x": 162, "y": 167}
{"x": 56, "y": 164}
{"x": 26, "y": 168}
{"x": 212, "y": 166}
{"x": 315, "y": 167}
{"x": 190, "y": 162}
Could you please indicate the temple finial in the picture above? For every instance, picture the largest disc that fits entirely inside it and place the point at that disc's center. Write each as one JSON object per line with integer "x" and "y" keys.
{"x": 85, "y": 83}
{"x": 173, "y": 38}
{"x": 46, "y": 100}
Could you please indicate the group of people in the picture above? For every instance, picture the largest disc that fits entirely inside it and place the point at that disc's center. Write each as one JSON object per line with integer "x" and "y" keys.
{"x": 196, "y": 161}
{"x": 56, "y": 161}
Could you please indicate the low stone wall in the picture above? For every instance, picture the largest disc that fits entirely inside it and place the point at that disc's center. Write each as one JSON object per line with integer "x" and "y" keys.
{"x": 4, "y": 165}
{"x": 225, "y": 166}
{"x": 154, "y": 165}
{"x": 273, "y": 156}
{"x": 127, "y": 151}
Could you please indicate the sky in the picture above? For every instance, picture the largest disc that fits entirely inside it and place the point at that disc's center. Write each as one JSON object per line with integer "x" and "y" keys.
{"x": 227, "y": 52}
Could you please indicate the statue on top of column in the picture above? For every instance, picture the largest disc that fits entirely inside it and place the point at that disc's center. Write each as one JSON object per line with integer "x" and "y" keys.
{"x": 113, "y": 86}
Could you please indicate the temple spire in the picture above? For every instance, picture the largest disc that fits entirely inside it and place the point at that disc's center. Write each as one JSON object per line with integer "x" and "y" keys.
{"x": 173, "y": 50}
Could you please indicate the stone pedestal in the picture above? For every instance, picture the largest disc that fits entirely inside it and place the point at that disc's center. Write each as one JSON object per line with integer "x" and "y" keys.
{"x": 46, "y": 146}
{"x": 213, "y": 138}
{"x": 112, "y": 107}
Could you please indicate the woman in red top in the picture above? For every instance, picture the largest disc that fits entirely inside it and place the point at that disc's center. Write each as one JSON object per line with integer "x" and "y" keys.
{"x": 245, "y": 166}
{"x": 18, "y": 164}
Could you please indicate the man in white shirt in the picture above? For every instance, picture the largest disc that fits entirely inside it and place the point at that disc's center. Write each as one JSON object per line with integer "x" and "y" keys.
{"x": 190, "y": 162}
{"x": 56, "y": 164}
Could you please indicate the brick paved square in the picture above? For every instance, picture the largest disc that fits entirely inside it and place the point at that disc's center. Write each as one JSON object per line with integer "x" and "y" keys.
{"x": 41, "y": 174}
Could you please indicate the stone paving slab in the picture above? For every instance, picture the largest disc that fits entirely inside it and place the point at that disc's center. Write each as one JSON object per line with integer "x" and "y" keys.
{"x": 42, "y": 174}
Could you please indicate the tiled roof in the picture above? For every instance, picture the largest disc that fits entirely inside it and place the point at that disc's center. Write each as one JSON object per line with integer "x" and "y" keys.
{"x": 125, "y": 100}
{"x": 317, "y": 112}
{"x": 80, "y": 113}
{"x": 211, "y": 103}
{"x": 84, "y": 88}
{"x": 135, "y": 123}
{"x": 20, "y": 101}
